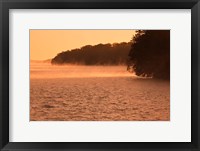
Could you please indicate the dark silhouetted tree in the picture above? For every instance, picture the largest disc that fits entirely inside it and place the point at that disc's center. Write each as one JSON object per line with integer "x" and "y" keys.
{"x": 101, "y": 54}
{"x": 150, "y": 54}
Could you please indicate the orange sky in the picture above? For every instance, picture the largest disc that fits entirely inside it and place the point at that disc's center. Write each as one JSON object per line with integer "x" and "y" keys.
{"x": 45, "y": 44}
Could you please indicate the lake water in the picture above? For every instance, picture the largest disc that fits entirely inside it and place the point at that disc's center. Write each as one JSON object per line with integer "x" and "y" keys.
{"x": 95, "y": 93}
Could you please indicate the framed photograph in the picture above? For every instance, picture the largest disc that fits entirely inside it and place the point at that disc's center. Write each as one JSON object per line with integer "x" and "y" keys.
{"x": 99, "y": 75}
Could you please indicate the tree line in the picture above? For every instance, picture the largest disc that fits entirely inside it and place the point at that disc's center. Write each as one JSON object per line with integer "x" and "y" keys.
{"x": 147, "y": 54}
{"x": 101, "y": 54}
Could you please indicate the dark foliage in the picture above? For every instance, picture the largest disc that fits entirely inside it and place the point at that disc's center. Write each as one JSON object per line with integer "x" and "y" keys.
{"x": 150, "y": 54}
{"x": 101, "y": 54}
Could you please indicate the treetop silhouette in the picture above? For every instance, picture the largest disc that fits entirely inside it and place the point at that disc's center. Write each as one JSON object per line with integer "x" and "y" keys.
{"x": 150, "y": 54}
{"x": 101, "y": 54}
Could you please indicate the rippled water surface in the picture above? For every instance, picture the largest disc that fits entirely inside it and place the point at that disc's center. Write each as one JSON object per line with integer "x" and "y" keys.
{"x": 95, "y": 93}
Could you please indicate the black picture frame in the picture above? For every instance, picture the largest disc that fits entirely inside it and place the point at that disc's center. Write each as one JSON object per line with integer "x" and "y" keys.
{"x": 5, "y": 5}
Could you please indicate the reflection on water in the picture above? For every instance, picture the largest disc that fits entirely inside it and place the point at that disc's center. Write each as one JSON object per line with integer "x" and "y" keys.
{"x": 95, "y": 93}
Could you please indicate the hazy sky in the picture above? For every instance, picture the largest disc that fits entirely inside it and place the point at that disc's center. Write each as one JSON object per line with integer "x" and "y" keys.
{"x": 45, "y": 44}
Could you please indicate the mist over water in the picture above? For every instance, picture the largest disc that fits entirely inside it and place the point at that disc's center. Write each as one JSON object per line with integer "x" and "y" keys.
{"x": 95, "y": 93}
{"x": 46, "y": 70}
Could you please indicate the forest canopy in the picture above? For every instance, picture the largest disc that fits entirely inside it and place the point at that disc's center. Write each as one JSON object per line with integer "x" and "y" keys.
{"x": 147, "y": 54}
{"x": 101, "y": 54}
{"x": 150, "y": 54}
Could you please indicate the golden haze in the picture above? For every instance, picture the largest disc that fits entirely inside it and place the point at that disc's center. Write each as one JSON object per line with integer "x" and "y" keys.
{"x": 45, "y": 44}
